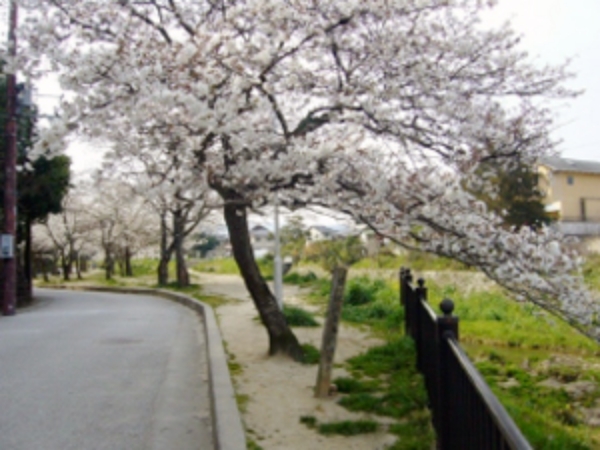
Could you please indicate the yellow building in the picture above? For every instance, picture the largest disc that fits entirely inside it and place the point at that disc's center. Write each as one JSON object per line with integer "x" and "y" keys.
{"x": 572, "y": 193}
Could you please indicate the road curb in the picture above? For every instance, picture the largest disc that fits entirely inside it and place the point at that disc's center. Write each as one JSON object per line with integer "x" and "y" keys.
{"x": 228, "y": 431}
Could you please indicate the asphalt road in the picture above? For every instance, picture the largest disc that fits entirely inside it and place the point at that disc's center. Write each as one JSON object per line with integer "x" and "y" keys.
{"x": 95, "y": 371}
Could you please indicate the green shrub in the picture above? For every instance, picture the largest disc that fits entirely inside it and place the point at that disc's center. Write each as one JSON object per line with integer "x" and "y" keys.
{"x": 311, "y": 354}
{"x": 298, "y": 317}
{"x": 349, "y": 427}
{"x": 362, "y": 290}
{"x": 300, "y": 279}
{"x": 309, "y": 421}
{"x": 347, "y": 385}
{"x": 373, "y": 302}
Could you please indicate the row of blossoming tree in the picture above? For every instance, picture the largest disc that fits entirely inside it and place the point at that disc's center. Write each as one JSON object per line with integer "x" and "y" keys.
{"x": 390, "y": 111}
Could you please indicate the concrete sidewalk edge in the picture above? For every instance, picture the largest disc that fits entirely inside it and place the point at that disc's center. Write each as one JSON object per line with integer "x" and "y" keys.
{"x": 228, "y": 430}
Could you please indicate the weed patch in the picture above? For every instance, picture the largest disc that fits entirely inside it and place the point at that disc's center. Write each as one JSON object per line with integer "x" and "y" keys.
{"x": 349, "y": 427}
{"x": 298, "y": 317}
{"x": 311, "y": 354}
{"x": 385, "y": 382}
{"x": 300, "y": 279}
{"x": 220, "y": 265}
{"x": 347, "y": 385}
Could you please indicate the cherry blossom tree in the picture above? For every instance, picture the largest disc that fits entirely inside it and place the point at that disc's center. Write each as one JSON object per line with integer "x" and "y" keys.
{"x": 68, "y": 232}
{"x": 170, "y": 185}
{"x": 384, "y": 110}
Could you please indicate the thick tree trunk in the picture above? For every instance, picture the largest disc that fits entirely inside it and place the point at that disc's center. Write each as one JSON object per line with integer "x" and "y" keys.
{"x": 128, "y": 268}
{"x": 281, "y": 337}
{"x": 78, "y": 266}
{"x": 183, "y": 278}
{"x": 65, "y": 266}
{"x": 121, "y": 265}
{"x": 165, "y": 255}
{"x": 109, "y": 264}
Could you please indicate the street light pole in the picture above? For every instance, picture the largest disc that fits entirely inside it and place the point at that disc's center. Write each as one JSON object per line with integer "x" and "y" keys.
{"x": 278, "y": 275}
{"x": 10, "y": 178}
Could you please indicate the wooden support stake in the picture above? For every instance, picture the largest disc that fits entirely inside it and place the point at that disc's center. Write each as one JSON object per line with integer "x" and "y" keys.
{"x": 330, "y": 331}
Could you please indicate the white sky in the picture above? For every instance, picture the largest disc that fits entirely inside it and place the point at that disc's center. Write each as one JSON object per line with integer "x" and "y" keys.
{"x": 553, "y": 31}
{"x": 556, "y": 30}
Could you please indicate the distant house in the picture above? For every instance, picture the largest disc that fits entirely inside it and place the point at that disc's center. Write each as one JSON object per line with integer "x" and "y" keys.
{"x": 572, "y": 195}
{"x": 318, "y": 233}
{"x": 262, "y": 241}
{"x": 259, "y": 234}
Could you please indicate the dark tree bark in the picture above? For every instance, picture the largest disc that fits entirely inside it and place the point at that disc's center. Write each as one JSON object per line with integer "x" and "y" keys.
{"x": 78, "y": 265}
{"x": 128, "y": 268}
{"x": 183, "y": 278}
{"x": 165, "y": 254}
{"x": 66, "y": 266}
{"x": 109, "y": 263}
{"x": 281, "y": 337}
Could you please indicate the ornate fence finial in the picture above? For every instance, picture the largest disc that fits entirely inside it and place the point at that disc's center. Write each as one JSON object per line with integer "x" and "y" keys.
{"x": 421, "y": 283}
{"x": 447, "y": 307}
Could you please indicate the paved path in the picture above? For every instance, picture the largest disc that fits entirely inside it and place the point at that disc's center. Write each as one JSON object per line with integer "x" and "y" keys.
{"x": 95, "y": 371}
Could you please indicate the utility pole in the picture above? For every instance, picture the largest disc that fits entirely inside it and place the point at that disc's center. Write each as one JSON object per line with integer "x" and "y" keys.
{"x": 10, "y": 178}
{"x": 278, "y": 275}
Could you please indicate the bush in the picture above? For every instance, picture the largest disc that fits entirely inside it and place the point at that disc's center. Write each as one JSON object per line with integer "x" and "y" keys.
{"x": 300, "y": 279}
{"x": 349, "y": 427}
{"x": 311, "y": 354}
{"x": 362, "y": 290}
{"x": 297, "y": 317}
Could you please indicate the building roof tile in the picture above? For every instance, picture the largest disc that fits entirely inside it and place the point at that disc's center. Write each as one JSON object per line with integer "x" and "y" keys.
{"x": 558, "y": 164}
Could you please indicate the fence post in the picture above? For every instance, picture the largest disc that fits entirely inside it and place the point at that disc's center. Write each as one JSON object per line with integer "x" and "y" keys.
{"x": 408, "y": 299}
{"x": 417, "y": 332}
{"x": 402, "y": 287}
{"x": 447, "y": 329}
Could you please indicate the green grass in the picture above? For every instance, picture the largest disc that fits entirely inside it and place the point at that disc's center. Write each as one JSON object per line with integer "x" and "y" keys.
{"x": 502, "y": 335}
{"x": 490, "y": 317}
{"x": 312, "y": 355}
{"x": 252, "y": 445}
{"x": 591, "y": 271}
{"x": 385, "y": 382}
{"x": 220, "y": 265}
{"x": 403, "y": 391}
{"x": 547, "y": 417}
{"x": 298, "y": 317}
{"x": 229, "y": 266}
{"x": 346, "y": 385}
{"x": 349, "y": 427}
{"x": 300, "y": 279}
{"x": 145, "y": 267}
{"x": 510, "y": 340}
{"x": 415, "y": 260}
{"x": 309, "y": 421}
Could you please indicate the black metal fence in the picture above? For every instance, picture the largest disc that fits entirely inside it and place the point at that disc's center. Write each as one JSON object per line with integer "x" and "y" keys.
{"x": 466, "y": 414}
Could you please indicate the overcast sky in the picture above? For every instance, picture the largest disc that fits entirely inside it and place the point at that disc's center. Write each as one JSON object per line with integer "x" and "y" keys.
{"x": 553, "y": 31}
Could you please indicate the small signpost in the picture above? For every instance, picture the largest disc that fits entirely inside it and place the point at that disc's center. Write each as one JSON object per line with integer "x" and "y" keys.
{"x": 7, "y": 246}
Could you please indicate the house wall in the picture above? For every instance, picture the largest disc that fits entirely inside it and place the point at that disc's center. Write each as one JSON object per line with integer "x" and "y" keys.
{"x": 569, "y": 196}
{"x": 315, "y": 235}
{"x": 592, "y": 244}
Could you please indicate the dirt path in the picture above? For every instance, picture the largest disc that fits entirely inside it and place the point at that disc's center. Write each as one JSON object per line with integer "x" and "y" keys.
{"x": 276, "y": 392}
